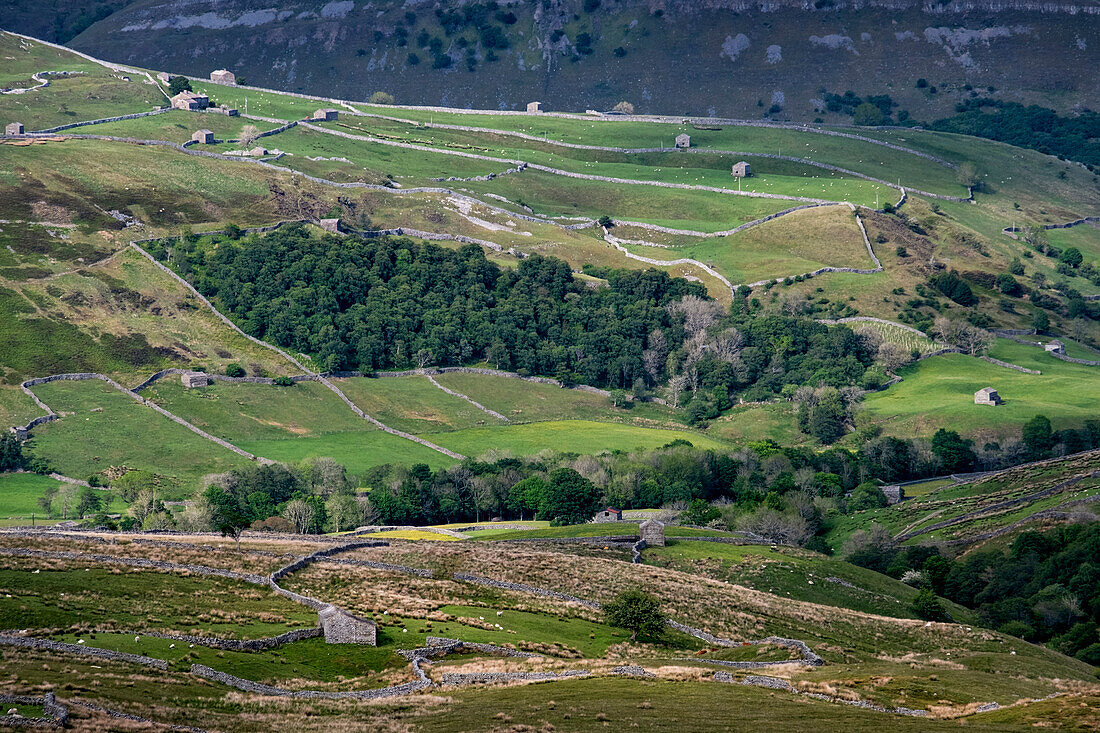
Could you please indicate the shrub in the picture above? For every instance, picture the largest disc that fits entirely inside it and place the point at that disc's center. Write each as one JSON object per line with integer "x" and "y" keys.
{"x": 382, "y": 97}
{"x": 284, "y": 381}
{"x": 178, "y": 84}
{"x": 636, "y": 611}
{"x": 234, "y": 370}
{"x": 928, "y": 607}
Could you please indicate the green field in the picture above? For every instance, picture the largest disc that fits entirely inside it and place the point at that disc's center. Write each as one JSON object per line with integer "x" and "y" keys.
{"x": 19, "y": 494}
{"x": 568, "y": 436}
{"x": 877, "y": 161}
{"x": 522, "y": 401}
{"x": 245, "y": 411}
{"x": 357, "y": 451}
{"x": 107, "y": 428}
{"x": 939, "y": 392}
{"x": 413, "y": 404}
{"x": 177, "y": 126}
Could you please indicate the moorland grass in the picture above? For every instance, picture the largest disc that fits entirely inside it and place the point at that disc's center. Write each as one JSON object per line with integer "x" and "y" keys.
{"x": 63, "y": 597}
{"x": 797, "y": 574}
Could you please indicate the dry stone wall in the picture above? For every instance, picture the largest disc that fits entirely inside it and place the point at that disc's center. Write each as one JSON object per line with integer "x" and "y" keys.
{"x": 29, "y": 642}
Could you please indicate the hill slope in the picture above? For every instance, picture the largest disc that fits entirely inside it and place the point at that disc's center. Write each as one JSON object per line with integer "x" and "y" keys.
{"x": 729, "y": 57}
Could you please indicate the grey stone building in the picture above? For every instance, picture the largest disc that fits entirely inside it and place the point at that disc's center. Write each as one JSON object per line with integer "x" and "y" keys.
{"x": 534, "y": 107}
{"x": 342, "y": 627}
{"x": 206, "y": 137}
{"x": 1055, "y": 347}
{"x": 683, "y": 140}
{"x": 14, "y": 128}
{"x": 194, "y": 379}
{"x": 742, "y": 170}
{"x": 325, "y": 115}
{"x": 653, "y": 532}
{"x": 987, "y": 396}
{"x": 331, "y": 225}
{"x": 610, "y": 514}
{"x": 190, "y": 101}
{"x": 222, "y": 76}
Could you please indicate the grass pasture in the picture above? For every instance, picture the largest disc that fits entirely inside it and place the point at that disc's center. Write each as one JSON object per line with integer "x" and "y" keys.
{"x": 413, "y": 404}
{"x": 245, "y": 411}
{"x": 106, "y": 428}
{"x": 522, "y": 401}
{"x": 567, "y": 436}
{"x": 357, "y": 451}
{"x": 939, "y": 392}
{"x": 19, "y": 493}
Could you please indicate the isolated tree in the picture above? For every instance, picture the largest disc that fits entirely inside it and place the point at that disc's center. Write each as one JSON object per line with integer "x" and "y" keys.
{"x": 967, "y": 174}
{"x": 928, "y": 607}
{"x": 866, "y": 496}
{"x": 1040, "y": 322}
{"x": 67, "y": 496}
{"x": 625, "y": 107}
{"x": 381, "y": 98}
{"x": 636, "y": 611}
{"x": 424, "y": 357}
{"x": 1071, "y": 256}
{"x": 249, "y": 135}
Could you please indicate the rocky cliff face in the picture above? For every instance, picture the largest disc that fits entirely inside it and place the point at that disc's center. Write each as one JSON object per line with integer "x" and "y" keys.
{"x": 746, "y": 58}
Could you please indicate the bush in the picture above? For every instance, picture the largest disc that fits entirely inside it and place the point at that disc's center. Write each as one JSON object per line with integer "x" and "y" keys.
{"x": 1017, "y": 628}
{"x": 11, "y": 452}
{"x": 383, "y": 97}
{"x": 284, "y": 382}
{"x": 178, "y": 84}
{"x": 928, "y": 607}
{"x": 234, "y": 370}
{"x": 636, "y": 611}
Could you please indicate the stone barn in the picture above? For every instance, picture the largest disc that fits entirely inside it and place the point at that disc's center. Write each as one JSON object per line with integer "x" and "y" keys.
{"x": 342, "y": 627}
{"x": 683, "y": 140}
{"x": 331, "y": 225}
{"x": 1055, "y": 347}
{"x": 14, "y": 128}
{"x": 221, "y": 76}
{"x": 653, "y": 532}
{"x": 610, "y": 514}
{"x": 325, "y": 115}
{"x": 256, "y": 152}
{"x": 987, "y": 396}
{"x": 190, "y": 101}
{"x": 534, "y": 106}
{"x": 206, "y": 137}
{"x": 895, "y": 494}
{"x": 742, "y": 170}
{"x": 194, "y": 379}
{"x": 164, "y": 76}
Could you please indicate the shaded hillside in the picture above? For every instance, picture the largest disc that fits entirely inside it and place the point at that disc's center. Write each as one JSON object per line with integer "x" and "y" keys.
{"x": 727, "y": 58}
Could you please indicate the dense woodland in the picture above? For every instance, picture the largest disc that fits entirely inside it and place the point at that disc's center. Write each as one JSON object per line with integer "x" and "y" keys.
{"x": 394, "y": 303}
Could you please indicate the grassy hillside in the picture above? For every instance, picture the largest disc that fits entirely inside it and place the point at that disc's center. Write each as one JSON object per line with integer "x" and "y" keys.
{"x": 939, "y": 392}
